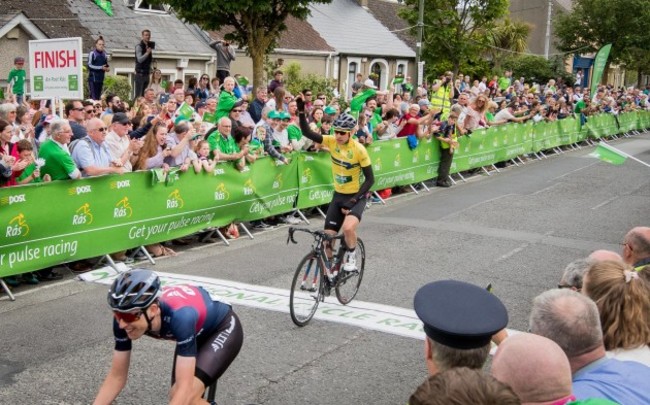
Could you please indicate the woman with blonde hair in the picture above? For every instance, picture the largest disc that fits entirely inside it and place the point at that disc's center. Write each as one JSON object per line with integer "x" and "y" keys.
{"x": 623, "y": 300}
{"x": 475, "y": 114}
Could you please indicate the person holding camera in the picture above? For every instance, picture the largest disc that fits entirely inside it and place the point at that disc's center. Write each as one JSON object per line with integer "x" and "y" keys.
{"x": 143, "y": 59}
{"x": 97, "y": 68}
{"x": 442, "y": 94}
{"x": 225, "y": 55}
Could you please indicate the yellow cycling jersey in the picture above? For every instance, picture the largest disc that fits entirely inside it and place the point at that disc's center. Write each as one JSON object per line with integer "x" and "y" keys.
{"x": 347, "y": 161}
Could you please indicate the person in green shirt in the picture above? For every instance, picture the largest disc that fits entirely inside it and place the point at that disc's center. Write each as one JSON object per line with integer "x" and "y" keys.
{"x": 16, "y": 79}
{"x": 505, "y": 81}
{"x": 222, "y": 144}
{"x": 58, "y": 162}
{"x": 32, "y": 172}
{"x": 227, "y": 99}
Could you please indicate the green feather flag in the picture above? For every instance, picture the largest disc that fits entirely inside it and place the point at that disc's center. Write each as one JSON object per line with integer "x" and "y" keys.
{"x": 105, "y": 5}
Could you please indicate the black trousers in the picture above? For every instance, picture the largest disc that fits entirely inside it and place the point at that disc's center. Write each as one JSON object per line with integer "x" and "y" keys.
{"x": 445, "y": 164}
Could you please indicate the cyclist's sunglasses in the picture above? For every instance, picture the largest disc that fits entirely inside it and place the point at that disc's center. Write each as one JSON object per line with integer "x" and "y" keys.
{"x": 337, "y": 131}
{"x": 128, "y": 317}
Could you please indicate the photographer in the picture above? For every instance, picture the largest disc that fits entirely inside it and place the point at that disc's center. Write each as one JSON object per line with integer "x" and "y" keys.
{"x": 143, "y": 59}
{"x": 225, "y": 55}
{"x": 442, "y": 93}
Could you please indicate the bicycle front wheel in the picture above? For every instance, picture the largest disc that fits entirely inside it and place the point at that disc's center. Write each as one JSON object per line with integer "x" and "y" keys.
{"x": 348, "y": 282}
{"x": 306, "y": 290}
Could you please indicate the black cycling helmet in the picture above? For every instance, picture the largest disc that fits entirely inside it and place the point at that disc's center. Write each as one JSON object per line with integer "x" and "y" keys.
{"x": 344, "y": 122}
{"x": 134, "y": 289}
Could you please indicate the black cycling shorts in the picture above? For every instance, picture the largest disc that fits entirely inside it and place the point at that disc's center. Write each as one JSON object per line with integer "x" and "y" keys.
{"x": 217, "y": 351}
{"x": 334, "y": 218}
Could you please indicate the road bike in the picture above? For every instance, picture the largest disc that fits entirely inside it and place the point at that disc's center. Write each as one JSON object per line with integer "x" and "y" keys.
{"x": 316, "y": 275}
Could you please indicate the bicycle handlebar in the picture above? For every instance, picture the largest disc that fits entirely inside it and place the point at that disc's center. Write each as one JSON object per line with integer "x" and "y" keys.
{"x": 316, "y": 234}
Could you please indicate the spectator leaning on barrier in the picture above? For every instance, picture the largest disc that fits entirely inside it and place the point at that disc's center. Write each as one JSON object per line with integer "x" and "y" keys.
{"x": 222, "y": 144}
{"x": 91, "y": 154}
{"x": 572, "y": 321}
{"x": 154, "y": 149}
{"x": 121, "y": 146}
{"x": 58, "y": 162}
{"x": 459, "y": 321}
{"x": 180, "y": 142}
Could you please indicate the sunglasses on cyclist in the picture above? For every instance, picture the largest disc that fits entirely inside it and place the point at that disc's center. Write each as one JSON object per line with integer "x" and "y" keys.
{"x": 338, "y": 132}
{"x": 127, "y": 317}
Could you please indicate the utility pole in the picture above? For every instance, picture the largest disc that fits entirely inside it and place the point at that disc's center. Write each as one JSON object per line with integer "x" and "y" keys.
{"x": 420, "y": 72}
{"x": 547, "y": 44}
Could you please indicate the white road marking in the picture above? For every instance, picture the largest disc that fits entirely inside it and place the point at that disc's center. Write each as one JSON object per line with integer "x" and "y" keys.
{"x": 609, "y": 200}
{"x": 378, "y": 317}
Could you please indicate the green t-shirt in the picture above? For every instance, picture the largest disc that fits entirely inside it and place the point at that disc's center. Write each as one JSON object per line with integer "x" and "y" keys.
{"x": 503, "y": 82}
{"x": 18, "y": 76}
{"x": 226, "y": 103}
{"x": 580, "y": 105}
{"x": 356, "y": 104}
{"x": 223, "y": 145}
{"x": 489, "y": 116}
{"x": 294, "y": 133}
{"x": 58, "y": 163}
{"x": 27, "y": 172}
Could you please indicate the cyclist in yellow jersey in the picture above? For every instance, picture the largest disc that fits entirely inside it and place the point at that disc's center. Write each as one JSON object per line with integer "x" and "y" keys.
{"x": 349, "y": 160}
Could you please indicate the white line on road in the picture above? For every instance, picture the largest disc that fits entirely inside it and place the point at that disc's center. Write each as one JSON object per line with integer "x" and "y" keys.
{"x": 378, "y": 317}
{"x": 609, "y": 200}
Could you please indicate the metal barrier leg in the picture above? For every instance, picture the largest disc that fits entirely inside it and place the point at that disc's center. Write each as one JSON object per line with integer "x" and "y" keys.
{"x": 223, "y": 238}
{"x": 514, "y": 162}
{"x": 452, "y": 180}
{"x": 111, "y": 263}
{"x": 496, "y": 168}
{"x": 321, "y": 212}
{"x": 425, "y": 186}
{"x": 380, "y": 199}
{"x": 461, "y": 177}
{"x": 543, "y": 155}
{"x": 520, "y": 160}
{"x": 146, "y": 253}
{"x": 7, "y": 290}
{"x": 304, "y": 218}
{"x": 241, "y": 225}
{"x": 485, "y": 171}
{"x": 414, "y": 189}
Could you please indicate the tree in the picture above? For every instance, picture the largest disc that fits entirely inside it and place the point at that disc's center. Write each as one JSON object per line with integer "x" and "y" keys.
{"x": 454, "y": 30}
{"x": 506, "y": 38}
{"x": 255, "y": 24}
{"x": 594, "y": 23}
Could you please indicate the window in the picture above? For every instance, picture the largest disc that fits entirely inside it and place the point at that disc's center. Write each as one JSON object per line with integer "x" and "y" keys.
{"x": 143, "y": 5}
{"x": 375, "y": 73}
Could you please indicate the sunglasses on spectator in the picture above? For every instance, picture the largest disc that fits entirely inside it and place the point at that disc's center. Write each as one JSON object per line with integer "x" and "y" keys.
{"x": 236, "y": 110}
{"x": 92, "y": 110}
{"x": 125, "y": 123}
{"x": 321, "y": 98}
{"x": 78, "y": 109}
{"x": 285, "y": 119}
{"x": 127, "y": 317}
{"x": 101, "y": 129}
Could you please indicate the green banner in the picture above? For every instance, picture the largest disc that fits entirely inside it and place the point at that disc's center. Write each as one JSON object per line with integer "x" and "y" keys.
{"x": 599, "y": 67}
{"x": 46, "y": 224}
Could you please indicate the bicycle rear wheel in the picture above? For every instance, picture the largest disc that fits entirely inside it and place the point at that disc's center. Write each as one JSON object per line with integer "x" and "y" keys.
{"x": 348, "y": 283}
{"x": 306, "y": 290}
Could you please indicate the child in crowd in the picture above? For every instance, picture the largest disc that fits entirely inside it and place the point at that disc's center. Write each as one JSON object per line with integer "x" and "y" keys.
{"x": 256, "y": 145}
{"x": 16, "y": 79}
{"x": 32, "y": 172}
{"x": 203, "y": 160}
{"x": 448, "y": 145}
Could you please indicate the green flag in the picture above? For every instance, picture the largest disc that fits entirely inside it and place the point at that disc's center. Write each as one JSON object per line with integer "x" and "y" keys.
{"x": 609, "y": 154}
{"x": 185, "y": 111}
{"x": 105, "y": 5}
{"x": 599, "y": 67}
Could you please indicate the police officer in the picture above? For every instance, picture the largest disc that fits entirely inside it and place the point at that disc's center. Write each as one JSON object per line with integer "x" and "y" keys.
{"x": 459, "y": 321}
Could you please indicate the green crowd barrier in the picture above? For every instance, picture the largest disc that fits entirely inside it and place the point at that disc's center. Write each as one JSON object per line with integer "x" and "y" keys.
{"x": 47, "y": 224}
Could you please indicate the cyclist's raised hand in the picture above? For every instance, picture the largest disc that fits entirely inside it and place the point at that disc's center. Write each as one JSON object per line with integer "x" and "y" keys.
{"x": 300, "y": 102}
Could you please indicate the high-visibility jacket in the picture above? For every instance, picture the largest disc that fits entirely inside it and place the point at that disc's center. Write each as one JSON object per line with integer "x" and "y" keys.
{"x": 441, "y": 99}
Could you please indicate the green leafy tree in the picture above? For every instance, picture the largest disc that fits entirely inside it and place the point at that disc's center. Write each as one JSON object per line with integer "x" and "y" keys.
{"x": 255, "y": 24}
{"x": 506, "y": 38}
{"x": 537, "y": 69}
{"x": 454, "y": 30}
{"x": 594, "y": 23}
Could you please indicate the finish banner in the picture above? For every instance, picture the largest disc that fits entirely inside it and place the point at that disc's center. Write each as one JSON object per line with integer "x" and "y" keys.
{"x": 47, "y": 224}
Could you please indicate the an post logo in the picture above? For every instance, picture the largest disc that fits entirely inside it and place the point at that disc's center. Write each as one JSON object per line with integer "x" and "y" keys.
{"x": 398, "y": 160}
{"x": 306, "y": 176}
{"x": 123, "y": 209}
{"x": 377, "y": 165}
{"x": 221, "y": 194}
{"x": 174, "y": 200}
{"x": 249, "y": 187}
{"x": 116, "y": 185}
{"x": 416, "y": 156}
{"x": 13, "y": 199}
{"x": 80, "y": 190}
{"x": 17, "y": 226}
{"x": 82, "y": 216}
{"x": 277, "y": 182}
{"x": 427, "y": 155}
{"x": 218, "y": 170}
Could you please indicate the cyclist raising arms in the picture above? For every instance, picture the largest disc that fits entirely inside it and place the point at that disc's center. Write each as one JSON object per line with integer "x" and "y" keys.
{"x": 208, "y": 334}
{"x": 349, "y": 160}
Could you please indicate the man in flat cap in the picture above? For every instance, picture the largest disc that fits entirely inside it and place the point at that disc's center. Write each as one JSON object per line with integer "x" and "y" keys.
{"x": 459, "y": 321}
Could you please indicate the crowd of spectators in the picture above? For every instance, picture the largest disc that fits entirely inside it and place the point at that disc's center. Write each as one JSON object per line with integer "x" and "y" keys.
{"x": 208, "y": 121}
{"x": 588, "y": 339}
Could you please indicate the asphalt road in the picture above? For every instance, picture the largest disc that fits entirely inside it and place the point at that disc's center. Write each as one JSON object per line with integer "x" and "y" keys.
{"x": 516, "y": 229}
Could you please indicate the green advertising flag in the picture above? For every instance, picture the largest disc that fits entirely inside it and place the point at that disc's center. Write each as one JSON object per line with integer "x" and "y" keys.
{"x": 210, "y": 117}
{"x": 609, "y": 154}
{"x": 185, "y": 111}
{"x": 599, "y": 67}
